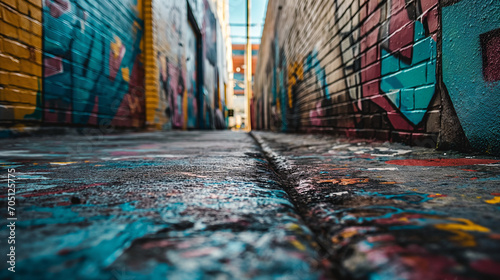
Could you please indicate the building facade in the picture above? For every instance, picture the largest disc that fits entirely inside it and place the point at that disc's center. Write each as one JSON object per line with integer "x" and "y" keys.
{"x": 239, "y": 98}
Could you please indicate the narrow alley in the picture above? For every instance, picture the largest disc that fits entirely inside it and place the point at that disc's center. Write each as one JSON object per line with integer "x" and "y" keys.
{"x": 250, "y": 139}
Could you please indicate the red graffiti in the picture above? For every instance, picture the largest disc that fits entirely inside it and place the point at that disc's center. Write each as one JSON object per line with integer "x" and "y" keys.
{"x": 401, "y": 29}
{"x": 53, "y": 66}
{"x": 490, "y": 44}
{"x": 57, "y": 7}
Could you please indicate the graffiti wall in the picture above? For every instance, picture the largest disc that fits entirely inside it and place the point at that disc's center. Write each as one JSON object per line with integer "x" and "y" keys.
{"x": 94, "y": 55}
{"x": 366, "y": 69}
{"x": 93, "y": 71}
{"x": 188, "y": 66}
{"x": 357, "y": 68}
{"x": 370, "y": 68}
{"x": 471, "y": 68}
{"x": 170, "y": 30}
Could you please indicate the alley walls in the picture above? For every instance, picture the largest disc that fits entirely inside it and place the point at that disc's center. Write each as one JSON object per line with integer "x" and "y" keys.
{"x": 131, "y": 63}
{"x": 371, "y": 68}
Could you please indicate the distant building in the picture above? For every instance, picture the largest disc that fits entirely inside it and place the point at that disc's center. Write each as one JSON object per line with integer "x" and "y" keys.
{"x": 239, "y": 98}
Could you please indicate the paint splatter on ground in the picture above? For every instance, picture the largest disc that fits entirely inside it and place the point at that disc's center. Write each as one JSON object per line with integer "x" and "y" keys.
{"x": 177, "y": 205}
{"x": 402, "y": 213}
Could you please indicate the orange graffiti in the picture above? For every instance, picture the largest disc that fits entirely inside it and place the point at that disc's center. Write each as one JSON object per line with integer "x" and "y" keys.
{"x": 437, "y": 195}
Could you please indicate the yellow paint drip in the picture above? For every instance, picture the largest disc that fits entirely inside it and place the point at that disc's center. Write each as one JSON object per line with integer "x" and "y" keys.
{"x": 460, "y": 230}
{"x": 298, "y": 245}
{"x": 63, "y": 163}
{"x": 495, "y": 200}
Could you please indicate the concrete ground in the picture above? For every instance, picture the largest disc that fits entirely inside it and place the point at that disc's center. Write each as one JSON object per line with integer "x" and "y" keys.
{"x": 176, "y": 205}
{"x": 388, "y": 211}
{"x": 209, "y": 205}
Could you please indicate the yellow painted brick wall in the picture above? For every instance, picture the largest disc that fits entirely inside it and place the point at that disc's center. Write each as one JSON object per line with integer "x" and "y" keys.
{"x": 151, "y": 68}
{"x": 20, "y": 59}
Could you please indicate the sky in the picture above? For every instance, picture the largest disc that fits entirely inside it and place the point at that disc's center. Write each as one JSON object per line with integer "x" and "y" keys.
{"x": 238, "y": 15}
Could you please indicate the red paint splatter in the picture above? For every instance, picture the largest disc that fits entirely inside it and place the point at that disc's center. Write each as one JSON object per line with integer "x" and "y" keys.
{"x": 475, "y": 178}
{"x": 441, "y": 162}
{"x": 495, "y": 194}
{"x": 469, "y": 170}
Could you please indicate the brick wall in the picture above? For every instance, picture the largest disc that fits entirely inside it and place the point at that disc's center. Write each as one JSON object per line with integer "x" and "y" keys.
{"x": 20, "y": 60}
{"x": 364, "y": 68}
{"x": 190, "y": 66}
{"x": 93, "y": 65}
{"x": 72, "y": 63}
{"x": 121, "y": 63}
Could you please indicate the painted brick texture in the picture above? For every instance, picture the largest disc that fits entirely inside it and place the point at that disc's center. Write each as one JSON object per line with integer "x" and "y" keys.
{"x": 358, "y": 68}
{"x": 20, "y": 60}
{"x": 131, "y": 63}
{"x": 93, "y": 63}
{"x": 190, "y": 71}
